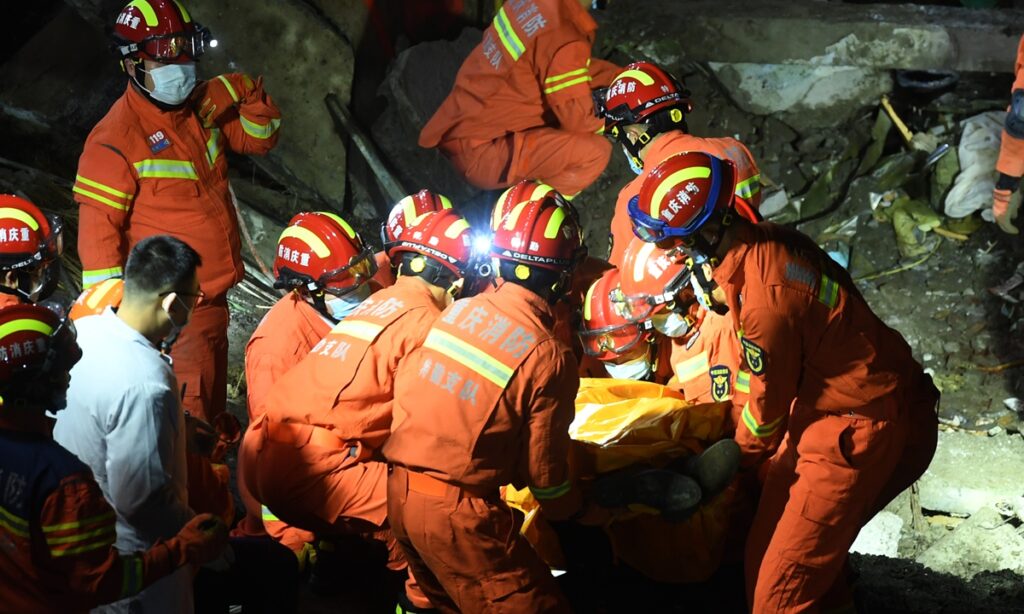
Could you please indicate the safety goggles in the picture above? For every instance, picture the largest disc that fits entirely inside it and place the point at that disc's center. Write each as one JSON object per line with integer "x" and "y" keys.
{"x": 170, "y": 47}
{"x": 618, "y": 339}
{"x": 678, "y": 294}
{"x": 362, "y": 267}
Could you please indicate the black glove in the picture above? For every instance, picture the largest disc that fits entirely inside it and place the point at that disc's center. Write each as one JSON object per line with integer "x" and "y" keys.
{"x": 599, "y": 95}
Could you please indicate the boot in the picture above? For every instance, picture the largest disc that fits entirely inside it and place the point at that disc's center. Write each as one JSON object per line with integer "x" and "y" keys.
{"x": 666, "y": 491}
{"x": 714, "y": 468}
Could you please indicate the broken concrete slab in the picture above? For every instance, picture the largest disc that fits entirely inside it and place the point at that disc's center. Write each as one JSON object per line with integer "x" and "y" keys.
{"x": 884, "y": 36}
{"x": 983, "y": 542}
{"x": 880, "y": 536}
{"x": 806, "y": 95}
{"x": 971, "y": 471}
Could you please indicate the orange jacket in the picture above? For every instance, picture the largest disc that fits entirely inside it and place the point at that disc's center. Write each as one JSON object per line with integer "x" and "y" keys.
{"x": 488, "y": 399}
{"x": 385, "y": 275}
{"x": 284, "y": 336}
{"x": 346, "y": 382}
{"x": 532, "y": 68}
{"x": 58, "y": 531}
{"x": 748, "y": 178}
{"x": 707, "y": 366}
{"x": 807, "y": 335}
{"x": 145, "y": 172}
{"x": 1011, "y": 150}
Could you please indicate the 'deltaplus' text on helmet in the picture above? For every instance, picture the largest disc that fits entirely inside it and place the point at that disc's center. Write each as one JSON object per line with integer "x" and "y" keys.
{"x": 407, "y": 211}
{"x": 442, "y": 243}
{"x": 31, "y": 243}
{"x": 605, "y": 333}
{"x": 159, "y": 30}
{"x": 645, "y": 94}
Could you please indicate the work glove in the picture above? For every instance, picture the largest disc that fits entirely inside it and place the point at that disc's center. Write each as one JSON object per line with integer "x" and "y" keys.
{"x": 599, "y": 95}
{"x": 225, "y": 92}
{"x": 1004, "y": 210}
{"x": 202, "y": 540}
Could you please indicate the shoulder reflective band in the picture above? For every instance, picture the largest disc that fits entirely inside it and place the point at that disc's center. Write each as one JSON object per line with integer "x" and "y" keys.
{"x": 267, "y": 515}
{"x": 259, "y": 131}
{"x": 552, "y": 492}
{"x": 131, "y": 584}
{"x": 743, "y": 382}
{"x": 109, "y": 196}
{"x": 673, "y": 180}
{"x": 507, "y": 34}
{"x": 165, "y": 169}
{"x": 748, "y": 187}
{"x": 366, "y": 331}
{"x": 95, "y": 276}
{"x": 227, "y": 85}
{"x": 14, "y": 524}
{"x": 213, "y": 146}
{"x": 692, "y": 367}
{"x": 828, "y": 292}
{"x": 759, "y": 431}
{"x": 566, "y": 79}
{"x": 468, "y": 356}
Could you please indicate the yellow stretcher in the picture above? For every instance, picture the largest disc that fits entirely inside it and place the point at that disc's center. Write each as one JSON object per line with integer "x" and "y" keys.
{"x": 622, "y": 422}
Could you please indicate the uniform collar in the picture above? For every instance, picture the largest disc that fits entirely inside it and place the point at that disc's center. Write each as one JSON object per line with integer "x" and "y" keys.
{"x": 26, "y": 422}
{"x": 415, "y": 285}
{"x": 144, "y": 107}
{"x": 580, "y": 16}
{"x": 509, "y": 293}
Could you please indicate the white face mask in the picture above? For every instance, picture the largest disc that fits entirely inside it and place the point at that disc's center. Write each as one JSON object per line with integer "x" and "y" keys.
{"x": 341, "y": 306}
{"x": 172, "y": 83}
{"x": 671, "y": 324}
{"x": 638, "y": 369}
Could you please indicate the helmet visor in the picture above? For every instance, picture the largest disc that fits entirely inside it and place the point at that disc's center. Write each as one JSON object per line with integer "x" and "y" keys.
{"x": 170, "y": 47}
{"x": 359, "y": 269}
{"x": 617, "y": 340}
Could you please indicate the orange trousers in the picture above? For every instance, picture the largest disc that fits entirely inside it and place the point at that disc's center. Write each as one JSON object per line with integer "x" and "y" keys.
{"x": 1011, "y": 156}
{"x": 323, "y": 489}
{"x": 831, "y": 474}
{"x": 567, "y": 161}
{"x": 466, "y": 551}
{"x": 259, "y": 521}
{"x": 201, "y": 359}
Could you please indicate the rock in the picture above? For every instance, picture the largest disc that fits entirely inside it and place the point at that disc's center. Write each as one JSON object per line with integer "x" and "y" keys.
{"x": 774, "y": 203}
{"x": 880, "y": 536}
{"x": 983, "y": 542}
{"x": 806, "y": 95}
{"x": 969, "y": 472}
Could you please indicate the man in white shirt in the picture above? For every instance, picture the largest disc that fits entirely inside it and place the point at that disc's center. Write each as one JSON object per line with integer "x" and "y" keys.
{"x": 124, "y": 416}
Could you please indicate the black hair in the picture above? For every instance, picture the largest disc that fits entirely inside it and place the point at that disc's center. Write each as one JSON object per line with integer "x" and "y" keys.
{"x": 540, "y": 281}
{"x": 160, "y": 264}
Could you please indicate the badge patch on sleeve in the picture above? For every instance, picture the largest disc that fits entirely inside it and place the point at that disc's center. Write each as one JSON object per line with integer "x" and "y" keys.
{"x": 158, "y": 141}
{"x": 753, "y": 355}
{"x": 720, "y": 378}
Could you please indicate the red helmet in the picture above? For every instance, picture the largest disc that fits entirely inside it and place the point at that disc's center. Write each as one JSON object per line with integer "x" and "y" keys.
{"x": 442, "y": 236}
{"x": 160, "y": 30}
{"x": 653, "y": 279}
{"x": 407, "y": 211}
{"x": 321, "y": 251}
{"x": 680, "y": 195}
{"x": 34, "y": 341}
{"x": 95, "y": 299}
{"x": 641, "y": 92}
{"x": 28, "y": 237}
{"x": 522, "y": 192}
{"x": 604, "y": 332}
{"x": 540, "y": 233}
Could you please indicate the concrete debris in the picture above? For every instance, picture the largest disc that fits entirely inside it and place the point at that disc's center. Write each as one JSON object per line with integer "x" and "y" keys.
{"x": 774, "y": 203}
{"x": 1011, "y": 290}
{"x": 880, "y": 536}
{"x": 970, "y": 472}
{"x": 1014, "y": 404}
{"x": 983, "y": 542}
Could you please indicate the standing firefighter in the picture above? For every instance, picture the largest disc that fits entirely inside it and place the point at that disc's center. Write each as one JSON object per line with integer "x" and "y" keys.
{"x": 56, "y": 527}
{"x": 487, "y": 401}
{"x": 835, "y": 394}
{"x": 156, "y": 164}
{"x": 1011, "y": 151}
{"x": 523, "y": 102}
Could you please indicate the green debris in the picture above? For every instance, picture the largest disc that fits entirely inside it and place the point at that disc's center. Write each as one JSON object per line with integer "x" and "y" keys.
{"x": 964, "y": 225}
{"x": 873, "y": 153}
{"x": 943, "y": 174}
{"x": 912, "y": 220}
{"x": 894, "y": 170}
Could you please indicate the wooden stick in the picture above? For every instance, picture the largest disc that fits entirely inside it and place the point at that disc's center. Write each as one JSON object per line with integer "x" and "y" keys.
{"x": 1000, "y": 368}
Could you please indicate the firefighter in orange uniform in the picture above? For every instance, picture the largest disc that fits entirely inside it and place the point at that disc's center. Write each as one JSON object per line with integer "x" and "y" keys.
{"x": 156, "y": 164}
{"x": 522, "y": 106}
{"x": 31, "y": 243}
{"x": 646, "y": 112}
{"x": 402, "y": 215}
{"x": 835, "y": 394}
{"x": 1011, "y": 151}
{"x": 57, "y": 528}
{"x": 312, "y": 458}
{"x": 485, "y": 402}
{"x": 326, "y": 267}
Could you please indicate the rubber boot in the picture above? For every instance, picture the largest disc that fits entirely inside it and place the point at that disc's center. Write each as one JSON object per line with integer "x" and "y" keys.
{"x": 669, "y": 492}
{"x": 715, "y": 467}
